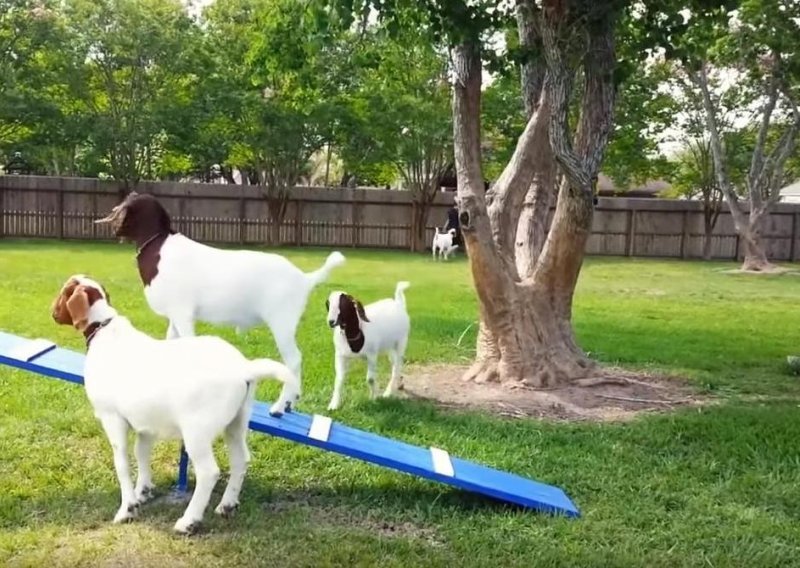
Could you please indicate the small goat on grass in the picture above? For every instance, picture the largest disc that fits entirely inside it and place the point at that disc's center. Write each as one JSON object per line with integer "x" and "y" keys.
{"x": 187, "y": 281}
{"x": 381, "y": 326}
{"x": 191, "y": 388}
{"x": 443, "y": 244}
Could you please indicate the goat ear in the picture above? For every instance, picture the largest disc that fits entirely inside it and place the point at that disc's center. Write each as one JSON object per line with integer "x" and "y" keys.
{"x": 59, "y": 310}
{"x": 78, "y": 307}
{"x": 108, "y": 296}
{"x": 360, "y": 310}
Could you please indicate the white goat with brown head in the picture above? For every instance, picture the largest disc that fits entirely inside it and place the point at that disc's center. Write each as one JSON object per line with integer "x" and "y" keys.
{"x": 187, "y": 281}
{"x": 190, "y": 388}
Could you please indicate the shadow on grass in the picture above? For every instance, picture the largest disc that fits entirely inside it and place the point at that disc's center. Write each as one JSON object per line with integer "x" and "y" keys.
{"x": 86, "y": 510}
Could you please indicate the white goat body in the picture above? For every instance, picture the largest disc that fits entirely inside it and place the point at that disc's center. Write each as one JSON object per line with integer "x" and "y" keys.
{"x": 241, "y": 288}
{"x": 385, "y": 330}
{"x": 188, "y": 281}
{"x": 191, "y": 388}
{"x": 443, "y": 244}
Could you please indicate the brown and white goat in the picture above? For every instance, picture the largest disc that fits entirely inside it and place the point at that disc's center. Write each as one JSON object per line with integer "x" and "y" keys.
{"x": 190, "y": 388}
{"x": 187, "y": 281}
{"x": 382, "y": 326}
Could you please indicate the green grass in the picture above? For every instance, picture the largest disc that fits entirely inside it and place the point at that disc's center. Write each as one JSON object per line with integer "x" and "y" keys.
{"x": 716, "y": 486}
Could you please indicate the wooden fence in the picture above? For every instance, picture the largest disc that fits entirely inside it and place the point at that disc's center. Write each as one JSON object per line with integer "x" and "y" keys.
{"x": 64, "y": 208}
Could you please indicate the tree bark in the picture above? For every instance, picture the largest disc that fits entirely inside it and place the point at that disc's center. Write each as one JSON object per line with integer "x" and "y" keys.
{"x": 707, "y": 244}
{"x": 533, "y": 223}
{"x": 525, "y": 332}
{"x": 755, "y": 254}
{"x": 505, "y": 345}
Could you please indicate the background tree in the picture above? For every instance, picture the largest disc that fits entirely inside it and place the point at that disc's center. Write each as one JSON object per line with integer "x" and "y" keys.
{"x": 406, "y": 115}
{"x": 752, "y": 44}
{"x": 694, "y": 177}
{"x": 28, "y": 35}
{"x": 132, "y": 69}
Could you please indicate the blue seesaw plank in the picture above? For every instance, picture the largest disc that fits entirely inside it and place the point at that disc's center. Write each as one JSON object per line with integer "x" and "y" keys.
{"x": 45, "y": 358}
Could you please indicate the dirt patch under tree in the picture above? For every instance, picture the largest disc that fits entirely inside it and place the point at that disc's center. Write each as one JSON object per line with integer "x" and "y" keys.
{"x": 612, "y": 394}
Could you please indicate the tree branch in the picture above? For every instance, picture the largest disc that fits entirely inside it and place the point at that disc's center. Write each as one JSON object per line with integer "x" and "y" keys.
{"x": 599, "y": 94}
{"x": 532, "y": 70}
{"x": 700, "y": 79}
{"x": 757, "y": 166}
{"x": 559, "y": 85}
{"x": 509, "y": 191}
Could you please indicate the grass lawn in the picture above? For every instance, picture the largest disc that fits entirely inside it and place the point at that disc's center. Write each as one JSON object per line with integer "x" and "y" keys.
{"x": 716, "y": 486}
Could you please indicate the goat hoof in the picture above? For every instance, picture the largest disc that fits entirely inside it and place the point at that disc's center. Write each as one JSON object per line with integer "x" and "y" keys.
{"x": 226, "y": 510}
{"x": 145, "y": 494}
{"x": 126, "y": 514}
{"x": 187, "y": 526}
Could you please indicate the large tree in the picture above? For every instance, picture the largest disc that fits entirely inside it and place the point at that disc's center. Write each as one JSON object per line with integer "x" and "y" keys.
{"x": 753, "y": 42}
{"x": 525, "y": 268}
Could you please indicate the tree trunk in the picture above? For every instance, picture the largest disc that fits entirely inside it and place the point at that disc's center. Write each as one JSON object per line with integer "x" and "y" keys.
{"x": 327, "y": 164}
{"x": 525, "y": 335}
{"x": 421, "y": 209}
{"x": 755, "y": 254}
{"x": 525, "y": 332}
{"x": 764, "y": 177}
{"x": 707, "y": 243}
{"x": 274, "y": 233}
{"x": 533, "y": 225}
{"x": 276, "y": 208}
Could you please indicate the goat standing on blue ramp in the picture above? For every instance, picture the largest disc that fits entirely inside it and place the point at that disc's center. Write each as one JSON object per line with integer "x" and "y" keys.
{"x": 191, "y": 388}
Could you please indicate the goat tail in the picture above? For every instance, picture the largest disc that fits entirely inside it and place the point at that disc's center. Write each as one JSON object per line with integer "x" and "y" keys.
{"x": 321, "y": 274}
{"x": 399, "y": 297}
{"x": 268, "y": 368}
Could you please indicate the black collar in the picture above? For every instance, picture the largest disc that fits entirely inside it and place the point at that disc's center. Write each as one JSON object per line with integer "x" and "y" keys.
{"x": 92, "y": 329}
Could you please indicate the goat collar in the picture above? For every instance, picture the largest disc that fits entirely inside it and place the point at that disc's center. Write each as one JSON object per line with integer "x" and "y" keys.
{"x": 92, "y": 329}
{"x": 148, "y": 241}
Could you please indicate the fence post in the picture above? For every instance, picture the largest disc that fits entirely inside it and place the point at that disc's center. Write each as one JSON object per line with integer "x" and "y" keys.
{"x": 736, "y": 248}
{"x": 793, "y": 245}
{"x": 94, "y": 215}
{"x": 298, "y": 223}
{"x": 183, "y": 225}
{"x": 630, "y": 245}
{"x": 685, "y": 233}
{"x": 60, "y": 213}
{"x": 355, "y": 217}
{"x": 242, "y": 215}
{"x": 412, "y": 241}
{"x": 2, "y": 212}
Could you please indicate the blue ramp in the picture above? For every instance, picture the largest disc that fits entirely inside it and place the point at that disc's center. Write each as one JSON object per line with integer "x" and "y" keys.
{"x": 45, "y": 358}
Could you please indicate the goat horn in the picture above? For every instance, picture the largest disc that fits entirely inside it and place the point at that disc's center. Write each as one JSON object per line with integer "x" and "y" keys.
{"x": 110, "y": 217}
